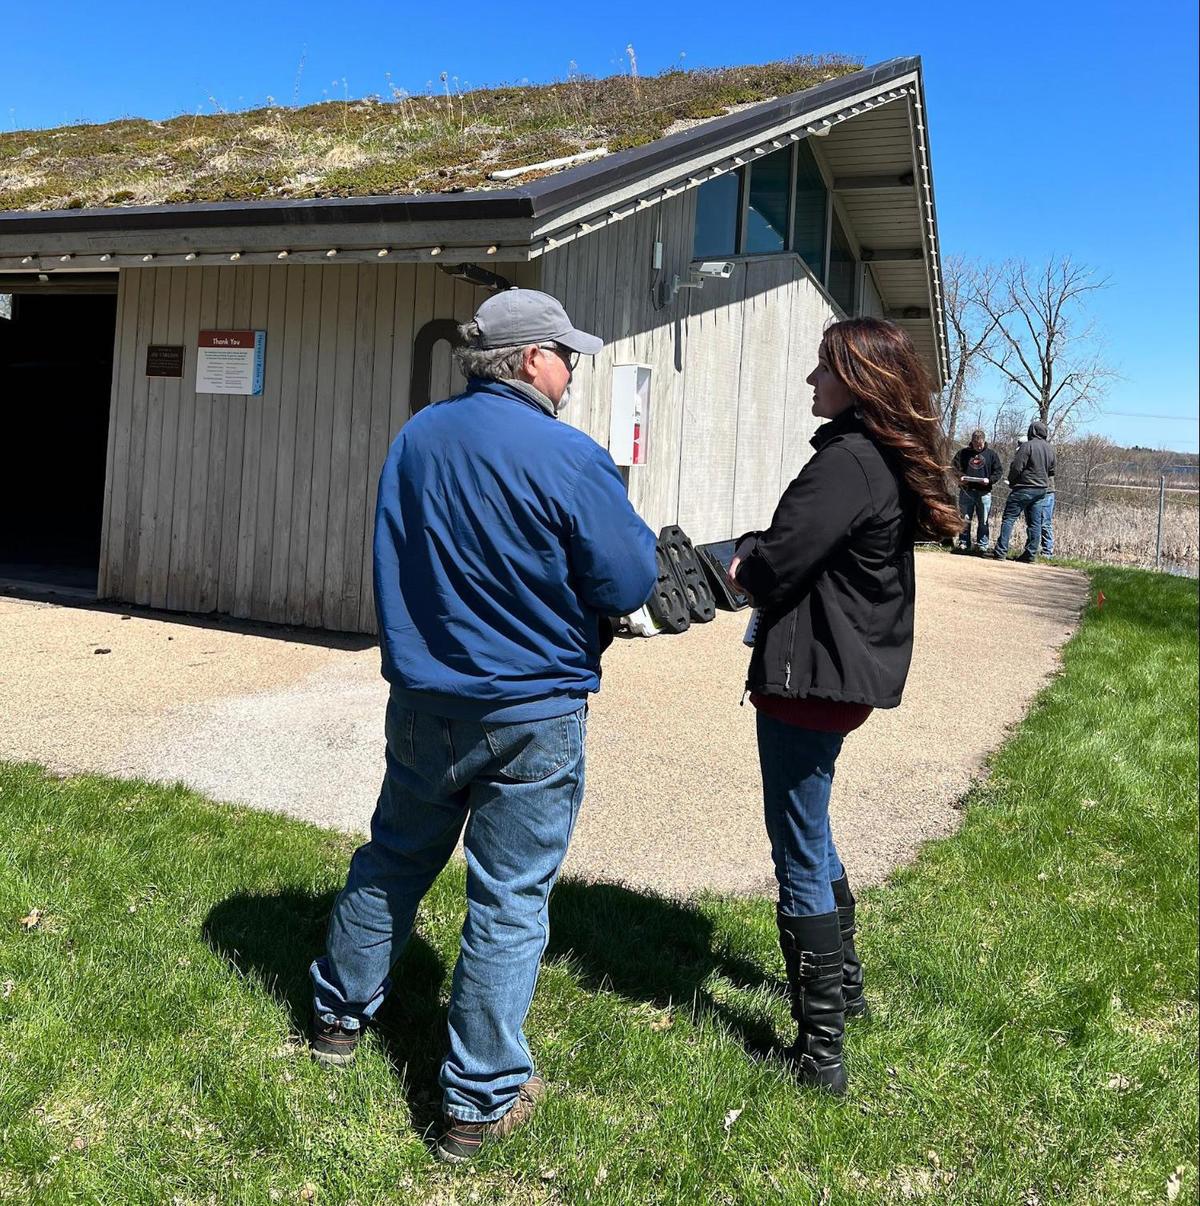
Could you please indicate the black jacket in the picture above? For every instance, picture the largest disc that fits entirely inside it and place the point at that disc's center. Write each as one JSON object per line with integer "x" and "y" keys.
{"x": 984, "y": 463}
{"x": 834, "y": 576}
{"x": 1033, "y": 464}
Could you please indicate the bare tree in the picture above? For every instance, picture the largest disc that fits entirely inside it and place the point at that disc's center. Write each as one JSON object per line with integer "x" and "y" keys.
{"x": 972, "y": 327}
{"x": 1079, "y": 464}
{"x": 1047, "y": 350}
{"x": 1009, "y": 424}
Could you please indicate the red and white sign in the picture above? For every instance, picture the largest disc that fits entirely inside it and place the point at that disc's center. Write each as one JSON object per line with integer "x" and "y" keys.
{"x": 230, "y": 362}
{"x": 227, "y": 339}
{"x": 630, "y": 413}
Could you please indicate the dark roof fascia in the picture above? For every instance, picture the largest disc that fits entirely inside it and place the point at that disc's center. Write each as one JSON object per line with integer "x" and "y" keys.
{"x": 438, "y": 207}
{"x": 594, "y": 180}
{"x": 59, "y": 282}
{"x": 538, "y": 199}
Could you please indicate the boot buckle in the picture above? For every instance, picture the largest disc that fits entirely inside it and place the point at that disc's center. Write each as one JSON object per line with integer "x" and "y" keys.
{"x": 806, "y": 1063}
{"x": 810, "y": 963}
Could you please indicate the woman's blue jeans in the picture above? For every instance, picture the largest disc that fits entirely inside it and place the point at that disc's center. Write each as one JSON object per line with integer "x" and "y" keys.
{"x": 797, "y": 774}
{"x": 513, "y": 792}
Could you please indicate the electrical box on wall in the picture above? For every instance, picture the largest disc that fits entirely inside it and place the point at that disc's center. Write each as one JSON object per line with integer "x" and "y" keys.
{"x": 630, "y": 413}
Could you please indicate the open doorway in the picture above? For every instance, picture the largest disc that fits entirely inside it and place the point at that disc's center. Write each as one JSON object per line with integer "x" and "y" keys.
{"x": 56, "y": 361}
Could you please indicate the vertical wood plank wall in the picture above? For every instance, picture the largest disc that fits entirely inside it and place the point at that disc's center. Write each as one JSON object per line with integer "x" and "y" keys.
{"x": 730, "y": 412}
{"x": 870, "y": 303}
{"x": 262, "y": 507}
{"x": 605, "y": 281}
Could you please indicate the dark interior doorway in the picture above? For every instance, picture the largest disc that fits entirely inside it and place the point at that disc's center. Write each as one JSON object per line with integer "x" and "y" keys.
{"x": 56, "y": 361}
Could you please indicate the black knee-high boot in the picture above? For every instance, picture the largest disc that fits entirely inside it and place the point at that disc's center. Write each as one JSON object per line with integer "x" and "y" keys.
{"x": 812, "y": 951}
{"x": 852, "y": 972}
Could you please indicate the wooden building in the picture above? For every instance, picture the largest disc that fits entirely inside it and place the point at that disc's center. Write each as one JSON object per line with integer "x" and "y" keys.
{"x": 802, "y": 209}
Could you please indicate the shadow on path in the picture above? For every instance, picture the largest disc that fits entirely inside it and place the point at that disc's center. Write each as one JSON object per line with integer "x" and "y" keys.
{"x": 24, "y": 586}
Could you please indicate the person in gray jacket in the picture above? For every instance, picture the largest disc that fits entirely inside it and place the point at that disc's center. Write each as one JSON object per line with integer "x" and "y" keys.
{"x": 1029, "y": 477}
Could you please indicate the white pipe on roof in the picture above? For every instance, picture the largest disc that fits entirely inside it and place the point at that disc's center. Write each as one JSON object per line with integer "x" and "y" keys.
{"x": 548, "y": 164}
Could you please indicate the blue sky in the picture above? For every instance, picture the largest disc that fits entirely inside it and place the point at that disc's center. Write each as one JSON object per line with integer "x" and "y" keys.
{"x": 1056, "y": 128}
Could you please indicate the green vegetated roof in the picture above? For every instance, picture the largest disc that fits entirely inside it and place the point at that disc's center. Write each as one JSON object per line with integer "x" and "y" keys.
{"x": 438, "y": 142}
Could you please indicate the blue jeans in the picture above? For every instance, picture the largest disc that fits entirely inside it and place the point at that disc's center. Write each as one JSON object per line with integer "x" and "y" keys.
{"x": 797, "y": 773}
{"x": 973, "y": 504}
{"x": 1027, "y": 501}
{"x": 516, "y": 788}
{"x": 1047, "y": 524}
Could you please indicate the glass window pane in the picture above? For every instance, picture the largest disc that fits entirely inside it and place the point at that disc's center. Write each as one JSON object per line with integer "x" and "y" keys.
{"x": 718, "y": 202}
{"x": 841, "y": 268}
{"x": 808, "y": 230}
{"x": 766, "y": 217}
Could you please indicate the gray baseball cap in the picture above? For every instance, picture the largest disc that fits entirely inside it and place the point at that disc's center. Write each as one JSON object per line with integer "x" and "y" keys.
{"x": 519, "y": 317}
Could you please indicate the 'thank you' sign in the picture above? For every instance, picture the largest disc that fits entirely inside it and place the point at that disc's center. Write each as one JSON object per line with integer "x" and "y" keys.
{"x": 230, "y": 362}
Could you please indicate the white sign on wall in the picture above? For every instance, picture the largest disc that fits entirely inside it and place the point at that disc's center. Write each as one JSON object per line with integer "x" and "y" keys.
{"x": 630, "y": 414}
{"x": 230, "y": 362}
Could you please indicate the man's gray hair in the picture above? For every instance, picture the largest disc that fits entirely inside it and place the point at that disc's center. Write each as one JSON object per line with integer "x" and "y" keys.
{"x": 980, "y": 434}
{"x": 488, "y": 364}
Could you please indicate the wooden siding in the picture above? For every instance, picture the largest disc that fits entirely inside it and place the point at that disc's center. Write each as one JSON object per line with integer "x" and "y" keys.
{"x": 870, "y": 302}
{"x": 262, "y": 507}
{"x": 729, "y": 412}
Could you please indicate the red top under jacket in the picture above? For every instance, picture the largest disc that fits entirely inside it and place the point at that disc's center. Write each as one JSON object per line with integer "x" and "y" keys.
{"x": 823, "y": 715}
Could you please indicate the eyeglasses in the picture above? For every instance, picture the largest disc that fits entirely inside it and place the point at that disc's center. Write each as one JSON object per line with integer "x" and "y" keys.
{"x": 568, "y": 357}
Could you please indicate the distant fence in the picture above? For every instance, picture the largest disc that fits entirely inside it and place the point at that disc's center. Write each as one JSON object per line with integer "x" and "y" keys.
{"x": 1109, "y": 511}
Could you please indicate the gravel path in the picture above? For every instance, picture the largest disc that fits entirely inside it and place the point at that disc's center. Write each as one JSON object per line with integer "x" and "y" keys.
{"x": 247, "y": 714}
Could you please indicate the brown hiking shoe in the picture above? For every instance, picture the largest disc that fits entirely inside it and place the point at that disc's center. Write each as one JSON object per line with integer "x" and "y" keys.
{"x": 462, "y": 1140}
{"x": 334, "y": 1040}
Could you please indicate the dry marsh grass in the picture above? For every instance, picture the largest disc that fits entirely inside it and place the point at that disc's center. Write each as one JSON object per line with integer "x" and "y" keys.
{"x": 438, "y": 142}
{"x": 1121, "y": 530}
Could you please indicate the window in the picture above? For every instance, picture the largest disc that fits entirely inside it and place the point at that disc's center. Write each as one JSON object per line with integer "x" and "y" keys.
{"x": 808, "y": 227}
{"x": 767, "y": 212}
{"x": 842, "y": 267}
{"x": 779, "y": 202}
{"x": 718, "y": 205}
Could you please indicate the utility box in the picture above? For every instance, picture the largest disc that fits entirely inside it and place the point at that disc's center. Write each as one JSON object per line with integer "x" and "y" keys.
{"x": 630, "y": 413}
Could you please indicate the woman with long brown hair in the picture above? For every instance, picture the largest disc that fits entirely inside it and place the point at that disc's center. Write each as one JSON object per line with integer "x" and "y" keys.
{"x": 833, "y": 582}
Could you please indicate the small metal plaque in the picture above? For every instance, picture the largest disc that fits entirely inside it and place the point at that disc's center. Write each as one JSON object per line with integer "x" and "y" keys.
{"x": 164, "y": 360}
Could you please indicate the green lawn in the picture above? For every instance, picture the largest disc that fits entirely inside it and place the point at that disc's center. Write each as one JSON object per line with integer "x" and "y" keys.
{"x": 1034, "y": 980}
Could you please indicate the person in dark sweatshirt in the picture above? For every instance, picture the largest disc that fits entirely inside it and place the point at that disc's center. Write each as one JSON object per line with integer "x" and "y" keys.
{"x": 834, "y": 582}
{"x": 503, "y": 541}
{"x": 978, "y": 469}
{"x": 1030, "y": 475}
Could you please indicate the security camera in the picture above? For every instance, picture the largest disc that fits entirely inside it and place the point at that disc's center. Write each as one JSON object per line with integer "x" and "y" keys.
{"x": 697, "y": 274}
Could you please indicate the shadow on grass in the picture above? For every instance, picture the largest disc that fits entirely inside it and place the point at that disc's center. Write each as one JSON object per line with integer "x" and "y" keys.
{"x": 651, "y": 948}
{"x": 274, "y": 938}
{"x": 643, "y": 947}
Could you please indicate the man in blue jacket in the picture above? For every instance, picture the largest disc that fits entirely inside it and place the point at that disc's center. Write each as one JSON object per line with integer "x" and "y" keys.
{"x": 503, "y": 540}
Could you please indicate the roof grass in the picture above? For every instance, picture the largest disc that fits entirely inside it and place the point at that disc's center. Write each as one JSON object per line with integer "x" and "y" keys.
{"x": 405, "y": 145}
